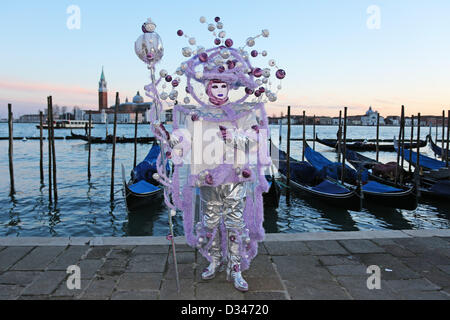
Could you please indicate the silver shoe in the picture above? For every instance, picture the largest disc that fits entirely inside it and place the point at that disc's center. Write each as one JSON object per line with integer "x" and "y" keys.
{"x": 237, "y": 279}
{"x": 211, "y": 271}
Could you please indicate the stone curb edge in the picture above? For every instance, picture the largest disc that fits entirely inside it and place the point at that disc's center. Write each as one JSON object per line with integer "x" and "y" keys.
{"x": 147, "y": 241}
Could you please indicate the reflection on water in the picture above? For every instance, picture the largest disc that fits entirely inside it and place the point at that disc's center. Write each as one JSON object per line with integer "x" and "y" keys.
{"x": 84, "y": 207}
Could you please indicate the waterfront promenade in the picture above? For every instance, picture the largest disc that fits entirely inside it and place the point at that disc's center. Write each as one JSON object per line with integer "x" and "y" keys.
{"x": 413, "y": 264}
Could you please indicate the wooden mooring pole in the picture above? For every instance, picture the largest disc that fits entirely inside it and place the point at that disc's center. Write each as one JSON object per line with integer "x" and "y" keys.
{"x": 411, "y": 143}
{"x": 448, "y": 139}
{"x": 339, "y": 137}
{"x": 55, "y": 188}
{"x": 344, "y": 147}
{"x": 403, "y": 146}
{"x": 113, "y": 160}
{"x": 288, "y": 164}
{"x": 378, "y": 137}
{"x": 399, "y": 146}
{"x": 41, "y": 146}
{"x": 314, "y": 133}
{"x": 443, "y": 134}
{"x": 304, "y": 135}
{"x": 89, "y": 146}
{"x": 135, "y": 139}
{"x": 418, "y": 142}
{"x": 49, "y": 142}
{"x": 10, "y": 153}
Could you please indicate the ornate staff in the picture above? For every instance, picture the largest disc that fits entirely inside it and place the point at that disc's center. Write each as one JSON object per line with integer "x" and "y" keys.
{"x": 149, "y": 49}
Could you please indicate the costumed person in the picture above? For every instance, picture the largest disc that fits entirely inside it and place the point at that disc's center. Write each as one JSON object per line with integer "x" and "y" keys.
{"x": 219, "y": 149}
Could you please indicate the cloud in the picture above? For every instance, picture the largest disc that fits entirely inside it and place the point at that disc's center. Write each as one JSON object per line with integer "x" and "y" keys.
{"x": 44, "y": 87}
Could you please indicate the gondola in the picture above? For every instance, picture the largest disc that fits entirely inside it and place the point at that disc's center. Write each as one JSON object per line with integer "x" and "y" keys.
{"x": 109, "y": 139}
{"x": 142, "y": 190}
{"x": 305, "y": 178}
{"x": 425, "y": 162}
{"x": 272, "y": 197}
{"x": 362, "y": 146}
{"x": 436, "y": 149}
{"x": 429, "y": 187}
{"x": 400, "y": 197}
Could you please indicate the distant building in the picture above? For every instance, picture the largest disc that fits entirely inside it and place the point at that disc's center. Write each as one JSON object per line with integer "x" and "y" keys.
{"x": 30, "y": 118}
{"x": 325, "y": 121}
{"x": 102, "y": 92}
{"x": 392, "y": 120}
{"x": 126, "y": 112}
{"x": 370, "y": 118}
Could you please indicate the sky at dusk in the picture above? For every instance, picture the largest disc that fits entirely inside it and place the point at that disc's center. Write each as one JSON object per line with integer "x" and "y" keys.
{"x": 335, "y": 53}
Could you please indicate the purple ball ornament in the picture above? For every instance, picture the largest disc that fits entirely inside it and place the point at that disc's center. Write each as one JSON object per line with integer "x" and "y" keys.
{"x": 254, "y": 53}
{"x": 203, "y": 57}
{"x": 169, "y": 155}
{"x": 221, "y": 69}
{"x": 248, "y": 91}
{"x": 180, "y": 33}
{"x": 246, "y": 173}
{"x": 217, "y": 19}
{"x": 256, "y": 128}
{"x": 236, "y": 268}
{"x": 144, "y": 30}
{"x": 262, "y": 90}
{"x": 195, "y": 117}
{"x": 257, "y": 72}
{"x": 169, "y": 237}
{"x": 257, "y": 93}
{"x": 232, "y": 238}
{"x": 169, "y": 78}
{"x": 175, "y": 83}
{"x": 229, "y": 43}
{"x": 209, "y": 179}
{"x": 217, "y": 42}
{"x": 231, "y": 64}
{"x": 150, "y": 56}
{"x": 281, "y": 74}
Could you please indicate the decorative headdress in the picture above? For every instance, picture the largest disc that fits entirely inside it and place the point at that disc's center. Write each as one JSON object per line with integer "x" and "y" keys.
{"x": 224, "y": 62}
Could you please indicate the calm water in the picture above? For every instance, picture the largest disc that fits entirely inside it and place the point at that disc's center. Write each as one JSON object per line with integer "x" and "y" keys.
{"x": 84, "y": 208}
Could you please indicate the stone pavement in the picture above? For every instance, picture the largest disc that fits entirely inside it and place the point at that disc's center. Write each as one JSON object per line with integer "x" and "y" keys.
{"x": 413, "y": 264}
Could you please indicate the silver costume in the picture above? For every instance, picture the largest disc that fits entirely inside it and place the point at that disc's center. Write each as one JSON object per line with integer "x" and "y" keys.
{"x": 225, "y": 203}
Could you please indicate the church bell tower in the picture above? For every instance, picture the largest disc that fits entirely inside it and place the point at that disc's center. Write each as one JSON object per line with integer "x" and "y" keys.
{"x": 102, "y": 93}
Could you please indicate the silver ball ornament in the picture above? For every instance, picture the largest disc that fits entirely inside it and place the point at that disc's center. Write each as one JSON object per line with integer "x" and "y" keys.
{"x": 164, "y": 96}
{"x": 224, "y": 53}
{"x": 187, "y": 52}
{"x": 250, "y": 42}
{"x": 163, "y": 73}
{"x": 149, "y": 48}
{"x": 211, "y": 27}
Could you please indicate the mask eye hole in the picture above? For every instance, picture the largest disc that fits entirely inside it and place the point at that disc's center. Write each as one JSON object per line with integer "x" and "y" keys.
{"x": 224, "y": 86}
{"x": 215, "y": 87}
